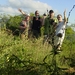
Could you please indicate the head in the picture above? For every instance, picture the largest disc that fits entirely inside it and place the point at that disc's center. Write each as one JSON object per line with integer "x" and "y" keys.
{"x": 36, "y": 13}
{"x": 27, "y": 17}
{"x": 51, "y": 13}
{"x": 59, "y": 17}
{"x": 44, "y": 15}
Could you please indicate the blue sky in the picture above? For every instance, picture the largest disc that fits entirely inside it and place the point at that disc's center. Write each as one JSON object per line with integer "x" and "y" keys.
{"x": 2, "y": 2}
{"x": 59, "y": 5}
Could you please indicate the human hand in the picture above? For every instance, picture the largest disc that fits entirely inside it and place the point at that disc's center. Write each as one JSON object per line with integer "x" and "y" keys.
{"x": 64, "y": 11}
{"x": 20, "y": 10}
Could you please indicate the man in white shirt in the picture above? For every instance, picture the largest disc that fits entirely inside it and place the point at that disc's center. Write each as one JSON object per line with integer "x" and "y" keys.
{"x": 60, "y": 30}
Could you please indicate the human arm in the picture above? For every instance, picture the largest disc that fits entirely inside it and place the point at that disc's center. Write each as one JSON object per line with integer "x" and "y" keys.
{"x": 55, "y": 22}
{"x": 23, "y": 25}
{"x": 65, "y": 19}
{"x": 22, "y": 11}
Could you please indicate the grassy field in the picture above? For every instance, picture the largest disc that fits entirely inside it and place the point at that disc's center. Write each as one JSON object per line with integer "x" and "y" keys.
{"x": 26, "y": 57}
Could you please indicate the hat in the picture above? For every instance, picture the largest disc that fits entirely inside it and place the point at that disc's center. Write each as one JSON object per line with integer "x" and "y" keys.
{"x": 51, "y": 11}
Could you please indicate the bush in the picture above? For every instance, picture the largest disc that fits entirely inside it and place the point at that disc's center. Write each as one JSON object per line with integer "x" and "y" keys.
{"x": 13, "y": 23}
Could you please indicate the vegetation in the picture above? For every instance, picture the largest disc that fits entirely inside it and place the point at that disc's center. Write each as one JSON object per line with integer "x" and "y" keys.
{"x": 31, "y": 57}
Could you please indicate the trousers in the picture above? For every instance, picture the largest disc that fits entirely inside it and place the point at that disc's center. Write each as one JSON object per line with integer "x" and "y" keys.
{"x": 59, "y": 40}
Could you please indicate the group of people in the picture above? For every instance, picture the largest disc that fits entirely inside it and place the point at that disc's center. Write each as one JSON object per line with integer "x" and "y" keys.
{"x": 31, "y": 26}
{"x": 54, "y": 27}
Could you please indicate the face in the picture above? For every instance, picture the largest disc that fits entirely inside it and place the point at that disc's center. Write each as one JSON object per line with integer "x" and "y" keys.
{"x": 51, "y": 14}
{"x": 37, "y": 13}
{"x": 59, "y": 17}
{"x": 27, "y": 18}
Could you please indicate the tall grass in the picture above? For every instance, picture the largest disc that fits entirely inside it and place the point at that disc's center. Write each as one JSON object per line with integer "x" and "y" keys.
{"x": 25, "y": 57}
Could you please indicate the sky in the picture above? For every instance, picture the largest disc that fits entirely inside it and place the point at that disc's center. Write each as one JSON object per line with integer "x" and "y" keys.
{"x": 12, "y": 6}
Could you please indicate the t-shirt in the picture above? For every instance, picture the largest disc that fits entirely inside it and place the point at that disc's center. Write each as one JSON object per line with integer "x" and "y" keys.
{"x": 60, "y": 28}
{"x": 22, "y": 23}
{"x": 48, "y": 25}
{"x": 36, "y": 23}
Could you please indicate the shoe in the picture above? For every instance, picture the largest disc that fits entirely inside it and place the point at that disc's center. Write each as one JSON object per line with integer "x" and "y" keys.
{"x": 59, "y": 50}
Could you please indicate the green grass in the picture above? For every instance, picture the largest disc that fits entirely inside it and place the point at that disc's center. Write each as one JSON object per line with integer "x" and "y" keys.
{"x": 25, "y": 57}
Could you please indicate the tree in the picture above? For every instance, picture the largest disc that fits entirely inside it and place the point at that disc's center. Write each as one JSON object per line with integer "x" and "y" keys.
{"x": 13, "y": 23}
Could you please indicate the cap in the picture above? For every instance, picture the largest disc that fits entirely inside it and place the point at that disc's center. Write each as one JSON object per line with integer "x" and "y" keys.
{"x": 51, "y": 11}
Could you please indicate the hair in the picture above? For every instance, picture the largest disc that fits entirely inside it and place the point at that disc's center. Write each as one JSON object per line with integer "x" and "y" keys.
{"x": 44, "y": 14}
{"x": 26, "y": 17}
{"x": 59, "y": 15}
{"x": 51, "y": 11}
{"x": 36, "y": 11}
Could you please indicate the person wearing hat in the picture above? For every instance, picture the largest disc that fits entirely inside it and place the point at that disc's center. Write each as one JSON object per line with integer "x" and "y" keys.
{"x": 49, "y": 27}
{"x": 24, "y": 26}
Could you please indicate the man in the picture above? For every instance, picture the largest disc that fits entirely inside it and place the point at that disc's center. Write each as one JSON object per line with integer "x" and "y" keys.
{"x": 43, "y": 18}
{"x": 36, "y": 25}
{"x": 60, "y": 30}
{"x": 49, "y": 27}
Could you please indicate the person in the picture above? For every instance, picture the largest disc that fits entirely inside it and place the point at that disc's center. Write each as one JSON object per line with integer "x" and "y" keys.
{"x": 49, "y": 27}
{"x": 43, "y": 19}
{"x": 25, "y": 24}
{"x": 36, "y": 25}
{"x": 20, "y": 10}
{"x": 60, "y": 31}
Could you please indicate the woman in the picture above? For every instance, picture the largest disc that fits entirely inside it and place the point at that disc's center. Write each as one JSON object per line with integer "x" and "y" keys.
{"x": 25, "y": 24}
{"x": 24, "y": 27}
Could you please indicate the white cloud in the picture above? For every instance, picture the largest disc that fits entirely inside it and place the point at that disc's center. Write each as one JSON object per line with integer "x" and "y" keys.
{"x": 26, "y": 5}
{"x": 8, "y": 10}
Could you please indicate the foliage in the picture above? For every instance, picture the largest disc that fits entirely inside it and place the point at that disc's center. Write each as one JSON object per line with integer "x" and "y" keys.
{"x": 14, "y": 22}
{"x": 19, "y": 57}
{"x": 31, "y": 57}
